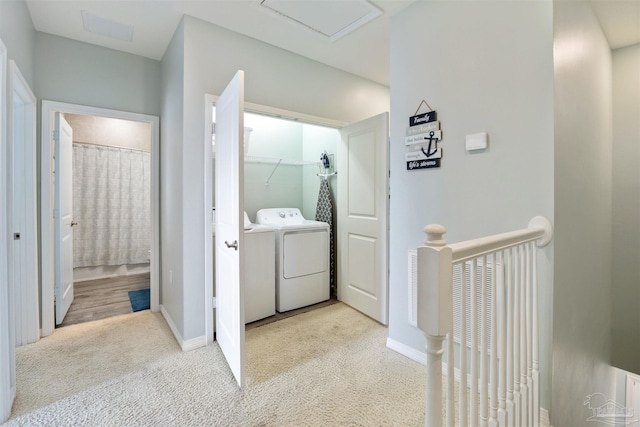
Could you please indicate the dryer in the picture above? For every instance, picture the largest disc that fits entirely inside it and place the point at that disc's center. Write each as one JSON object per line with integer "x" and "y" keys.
{"x": 302, "y": 257}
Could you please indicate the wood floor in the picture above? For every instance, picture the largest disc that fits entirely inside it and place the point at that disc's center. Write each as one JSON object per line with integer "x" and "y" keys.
{"x": 102, "y": 298}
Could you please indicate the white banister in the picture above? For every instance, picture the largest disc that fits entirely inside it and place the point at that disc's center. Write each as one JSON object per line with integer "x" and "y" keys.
{"x": 499, "y": 275}
{"x": 435, "y": 307}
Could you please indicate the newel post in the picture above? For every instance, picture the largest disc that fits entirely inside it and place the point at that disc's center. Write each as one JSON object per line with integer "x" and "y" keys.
{"x": 435, "y": 307}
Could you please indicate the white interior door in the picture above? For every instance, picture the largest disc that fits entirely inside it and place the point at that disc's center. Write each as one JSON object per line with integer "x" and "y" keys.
{"x": 363, "y": 199}
{"x": 63, "y": 216}
{"x": 229, "y": 244}
{"x": 7, "y": 342}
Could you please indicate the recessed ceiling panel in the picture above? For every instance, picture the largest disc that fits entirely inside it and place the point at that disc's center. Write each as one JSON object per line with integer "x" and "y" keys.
{"x": 331, "y": 18}
{"x": 106, "y": 27}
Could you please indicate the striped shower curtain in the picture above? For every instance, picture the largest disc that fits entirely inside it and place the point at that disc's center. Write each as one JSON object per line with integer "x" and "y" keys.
{"x": 111, "y": 204}
{"x": 324, "y": 213}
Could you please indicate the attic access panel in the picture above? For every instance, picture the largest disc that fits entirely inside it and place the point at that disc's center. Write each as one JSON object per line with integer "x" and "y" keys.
{"x": 331, "y": 18}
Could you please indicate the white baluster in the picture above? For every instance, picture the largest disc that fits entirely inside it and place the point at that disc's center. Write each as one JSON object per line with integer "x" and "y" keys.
{"x": 493, "y": 414}
{"x": 484, "y": 378}
{"x": 516, "y": 338}
{"x": 510, "y": 336}
{"x": 502, "y": 327}
{"x": 523, "y": 338}
{"x": 451, "y": 401}
{"x": 529, "y": 339}
{"x": 462, "y": 397}
{"x": 536, "y": 372}
{"x": 473, "y": 407}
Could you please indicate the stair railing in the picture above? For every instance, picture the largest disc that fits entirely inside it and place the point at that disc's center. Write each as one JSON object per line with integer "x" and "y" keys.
{"x": 497, "y": 347}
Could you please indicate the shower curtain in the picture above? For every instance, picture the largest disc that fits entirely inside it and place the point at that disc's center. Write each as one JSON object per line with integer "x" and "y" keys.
{"x": 324, "y": 212}
{"x": 111, "y": 204}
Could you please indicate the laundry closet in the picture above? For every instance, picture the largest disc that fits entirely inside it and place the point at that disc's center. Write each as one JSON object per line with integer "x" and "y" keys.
{"x": 288, "y": 254}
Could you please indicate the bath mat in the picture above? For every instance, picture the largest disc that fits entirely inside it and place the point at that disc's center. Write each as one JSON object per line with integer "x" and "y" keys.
{"x": 140, "y": 299}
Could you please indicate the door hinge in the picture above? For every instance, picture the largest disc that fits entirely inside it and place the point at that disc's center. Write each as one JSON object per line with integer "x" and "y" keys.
{"x": 214, "y": 302}
{"x": 55, "y": 134}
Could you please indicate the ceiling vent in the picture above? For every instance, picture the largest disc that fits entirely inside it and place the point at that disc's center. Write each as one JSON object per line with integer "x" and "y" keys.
{"x": 106, "y": 27}
{"x": 331, "y": 18}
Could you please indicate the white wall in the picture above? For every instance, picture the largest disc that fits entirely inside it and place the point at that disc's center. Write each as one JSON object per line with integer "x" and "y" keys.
{"x": 85, "y": 74}
{"x": 275, "y": 139}
{"x": 110, "y": 132}
{"x": 583, "y": 218}
{"x": 18, "y": 34}
{"x": 273, "y": 77}
{"x": 484, "y": 67}
{"x": 626, "y": 208}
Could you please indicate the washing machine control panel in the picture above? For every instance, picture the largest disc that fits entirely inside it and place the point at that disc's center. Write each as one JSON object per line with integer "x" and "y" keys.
{"x": 279, "y": 216}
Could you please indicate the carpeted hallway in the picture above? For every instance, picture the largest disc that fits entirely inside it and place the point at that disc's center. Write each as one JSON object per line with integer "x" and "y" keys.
{"x": 328, "y": 367}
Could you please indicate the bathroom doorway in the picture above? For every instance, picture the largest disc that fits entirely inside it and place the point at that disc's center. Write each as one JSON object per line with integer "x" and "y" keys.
{"x": 91, "y": 139}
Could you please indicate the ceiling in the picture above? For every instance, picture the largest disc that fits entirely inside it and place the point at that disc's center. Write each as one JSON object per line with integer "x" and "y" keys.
{"x": 364, "y": 52}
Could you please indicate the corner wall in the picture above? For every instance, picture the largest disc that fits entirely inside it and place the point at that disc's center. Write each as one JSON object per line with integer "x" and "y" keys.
{"x": 484, "y": 67}
{"x": 171, "y": 135}
{"x": 583, "y": 198}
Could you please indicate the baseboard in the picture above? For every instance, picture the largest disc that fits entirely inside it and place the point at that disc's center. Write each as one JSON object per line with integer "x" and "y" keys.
{"x": 194, "y": 343}
{"x": 544, "y": 418}
{"x": 187, "y": 345}
{"x": 407, "y": 351}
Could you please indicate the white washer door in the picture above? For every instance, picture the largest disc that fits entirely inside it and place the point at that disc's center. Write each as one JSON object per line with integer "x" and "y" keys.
{"x": 305, "y": 252}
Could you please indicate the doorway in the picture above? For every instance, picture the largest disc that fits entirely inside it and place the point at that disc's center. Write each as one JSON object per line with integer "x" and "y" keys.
{"x": 111, "y": 216}
{"x": 78, "y": 113}
{"x": 268, "y": 165}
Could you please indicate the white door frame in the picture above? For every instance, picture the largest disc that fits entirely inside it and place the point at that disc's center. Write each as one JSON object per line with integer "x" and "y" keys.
{"x": 46, "y": 202}
{"x": 23, "y": 284}
{"x": 7, "y": 344}
{"x": 209, "y": 102}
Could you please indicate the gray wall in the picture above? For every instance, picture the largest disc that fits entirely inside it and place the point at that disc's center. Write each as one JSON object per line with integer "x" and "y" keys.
{"x": 85, "y": 74}
{"x": 18, "y": 34}
{"x": 583, "y": 219}
{"x": 484, "y": 67}
{"x": 273, "y": 77}
{"x": 626, "y": 208}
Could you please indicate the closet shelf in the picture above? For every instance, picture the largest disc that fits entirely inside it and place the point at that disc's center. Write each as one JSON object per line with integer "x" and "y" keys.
{"x": 274, "y": 161}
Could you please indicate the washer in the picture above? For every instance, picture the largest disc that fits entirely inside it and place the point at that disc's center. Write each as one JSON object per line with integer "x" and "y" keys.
{"x": 259, "y": 271}
{"x": 302, "y": 257}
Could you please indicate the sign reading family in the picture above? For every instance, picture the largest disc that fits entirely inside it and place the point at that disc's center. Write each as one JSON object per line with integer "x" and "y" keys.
{"x": 422, "y": 139}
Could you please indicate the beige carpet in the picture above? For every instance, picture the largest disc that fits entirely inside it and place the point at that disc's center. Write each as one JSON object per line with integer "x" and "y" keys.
{"x": 328, "y": 367}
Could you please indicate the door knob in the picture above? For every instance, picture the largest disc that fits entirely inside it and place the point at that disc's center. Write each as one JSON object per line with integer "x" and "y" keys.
{"x": 74, "y": 223}
{"x": 233, "y": 245}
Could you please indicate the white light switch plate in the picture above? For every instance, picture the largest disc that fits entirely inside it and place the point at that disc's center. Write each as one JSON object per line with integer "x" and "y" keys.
{"x": 476, "y": 141}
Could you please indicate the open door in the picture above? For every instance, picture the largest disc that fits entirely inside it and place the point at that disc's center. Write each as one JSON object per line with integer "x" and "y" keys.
{"x": 229, "y": 244}
{"x": 363, "y": 193}
{"x": 63, "y": 216}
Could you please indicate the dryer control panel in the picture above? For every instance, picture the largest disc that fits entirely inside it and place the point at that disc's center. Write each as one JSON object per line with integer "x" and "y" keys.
{"x": 279, "y": 216}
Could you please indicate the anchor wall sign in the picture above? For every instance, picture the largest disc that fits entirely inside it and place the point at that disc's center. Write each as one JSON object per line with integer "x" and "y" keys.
{"x": 422, "y": 137}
